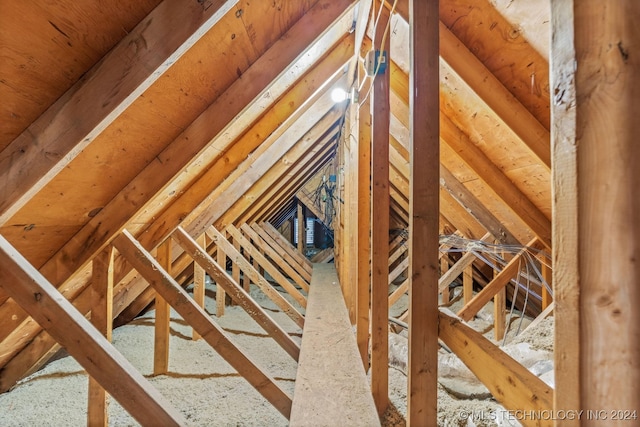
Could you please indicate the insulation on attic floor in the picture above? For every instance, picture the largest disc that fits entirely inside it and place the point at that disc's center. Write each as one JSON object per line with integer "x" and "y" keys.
{"x": 206, "y": 389}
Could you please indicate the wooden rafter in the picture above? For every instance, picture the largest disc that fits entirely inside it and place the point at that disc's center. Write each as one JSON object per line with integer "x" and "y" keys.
{"x": 83, "y": 341}
{"x": 132, "y": 66}
{"x": 213, "y": 334}
{"x": 237, "y": 293}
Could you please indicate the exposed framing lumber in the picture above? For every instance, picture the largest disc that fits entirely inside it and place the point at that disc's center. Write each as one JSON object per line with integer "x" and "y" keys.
{"x": 475, "y": 158}
{"x": 297, "y": 142}
{"x": 444, "y": 267}
{"x": 22, "y": 282}
{"x": 265, "y": 264}
{"x": 162, "y": 324}
{"x": 267, "y": 250}
{"x": 102, "y": 320}
{"x": 510, "y": 383}
{"x": 199, "y": 280}
{"x": 300, "y": 168}
{"x": 302, "y": 228}
{"x": 467, "y": 284}
{"x": 297, "y": 137}
{"x": 133, "y": 65}
{"x": 497, "y": 97}
{"x": 596, "y": 271}
{"x": 304, "y": 198}
{"x": 221, "y": 295}
{"x": 472, "y": 205}
{"x": 275, "y": 235}
{"x": 456, "y": 269}
{"x": 424, "y": 213}
{"x": 253, "y": 274}
{"x": 363, "y": 298}
{"x": 279, "y": 60}
{"x": 237, "y": 293}
{"x": 284, "y": 254}
{"x": 499, "y": 282}
{"x": 398, "y": 270}
{"x": 543, "y": 315}
{"x": 400, "y": 290}
{"x": 142, "y": 261}
{"x": 380, "y": 226}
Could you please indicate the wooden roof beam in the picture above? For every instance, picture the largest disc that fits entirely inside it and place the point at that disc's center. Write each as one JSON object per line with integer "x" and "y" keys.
{"x": 84, "y": 111}
{"x": 69, "y": 260}
{"x": 265, "y": 204}
{"x": 486, "y": 170}
{"x": 195, "y": 315}
{"x": 294, "y": 159}
{"x": 299, "y": 137}
{"x": 83, "y": 341}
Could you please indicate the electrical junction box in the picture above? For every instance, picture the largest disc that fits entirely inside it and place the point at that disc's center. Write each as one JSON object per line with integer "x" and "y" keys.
{"x": 375, "y": 61}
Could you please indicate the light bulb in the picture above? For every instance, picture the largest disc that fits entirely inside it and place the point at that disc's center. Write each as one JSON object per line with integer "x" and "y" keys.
{"x": 338, "y": 95}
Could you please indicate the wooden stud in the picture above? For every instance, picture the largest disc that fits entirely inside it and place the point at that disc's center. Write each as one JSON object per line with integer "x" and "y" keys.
{"x": 237, "y": 293}
{"x": 424, "y": 212}
{"x": 164, "y": 284}
{"x": 363, "y": 299}
{"x": 467, "y": 284}
{"x": 596, "y": 274}
{"x": 162, "y": 335}
{"x": 444, "y": 267}
{"x": 380, "y": 227}
{"x": 86, "y": 344}
{"x": 221, "y": 295}
{"x": 199, "y": 281}
{"x": 102, "y": 319}
{"x": 547, "y": 275}
{"x": 302, "y": 227}
{"x": 278, "y": 60}
{"x": 499, "y": 314}
{"x": 235, "y": 270}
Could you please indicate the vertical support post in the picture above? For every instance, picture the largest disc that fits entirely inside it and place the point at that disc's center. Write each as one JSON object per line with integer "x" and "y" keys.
{"x": 350, "y": 239}
{"x": 235, "y": 269}
{"x": 424, "y": 212}
{"x": 199, "y": 281}
{"x": 221, "y": 295}
{"x": 596, "y": 256}
{"x": 547, "y": 276}
{"x": 102, "y": 319}
{"x": 364, "y": 230}
{"x": 499, "y": 314}
{"x": 467, "y": 284}
{"x": 380, "y": 227}
{"x": 444, "y": 267}
{"x": 163, "y": 317}
{"x": 302, "y": 226}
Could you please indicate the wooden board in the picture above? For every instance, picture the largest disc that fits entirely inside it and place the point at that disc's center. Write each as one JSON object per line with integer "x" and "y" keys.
{"x": 84, "y": 342}
{"x": 331, "y": 386}
{"x": 510, "y": 383}
{"x": 213, "y": 334}
{"x": 237, "y": 293}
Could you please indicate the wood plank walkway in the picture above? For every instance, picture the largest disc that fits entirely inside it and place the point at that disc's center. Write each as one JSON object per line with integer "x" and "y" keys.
{"x": 331, "y": 386}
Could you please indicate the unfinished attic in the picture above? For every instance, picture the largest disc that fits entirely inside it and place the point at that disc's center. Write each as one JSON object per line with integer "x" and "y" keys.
{"x": 319, "y": 213}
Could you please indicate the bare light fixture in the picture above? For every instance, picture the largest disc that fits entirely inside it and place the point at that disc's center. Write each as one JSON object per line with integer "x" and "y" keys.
{"x": 338, "y": 95}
